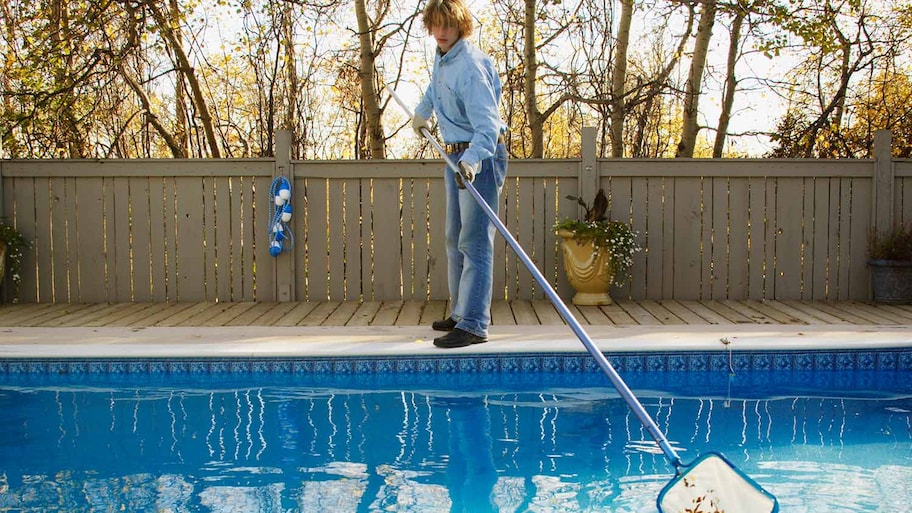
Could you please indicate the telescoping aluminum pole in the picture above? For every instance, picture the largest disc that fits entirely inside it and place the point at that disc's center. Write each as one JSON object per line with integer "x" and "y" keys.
{"x": 713, "y": 470}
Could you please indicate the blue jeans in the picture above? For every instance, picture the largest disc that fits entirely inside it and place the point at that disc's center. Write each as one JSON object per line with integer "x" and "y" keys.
{"x": 470, "y": 243}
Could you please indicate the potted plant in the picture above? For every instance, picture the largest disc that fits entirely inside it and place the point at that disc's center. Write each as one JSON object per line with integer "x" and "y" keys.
{"x": 890, "y": 260}
{"x": 12, "y": 244}
{"x": 597, "y": 252}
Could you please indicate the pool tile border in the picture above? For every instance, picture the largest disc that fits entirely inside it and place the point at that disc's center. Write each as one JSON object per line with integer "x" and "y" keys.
{"x": 670, "y": 362}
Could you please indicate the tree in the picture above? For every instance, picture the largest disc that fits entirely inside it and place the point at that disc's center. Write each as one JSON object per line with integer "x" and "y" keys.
{"x": 639, "y": 101}
{"x": 689, "y": 125}
{"x": 50, "y": 69}
{"x": 181, "y": 132}
{"x": 739, "y": 13}
{"x": 375, "y": 146}
{"x": 535, "y": 117}
{"x": 886, "y": 105}
{"x": 167, "y": 27}
{"x": 542, "y": 27}
{"x": 143, "y": 78}
{"x": 618, "y": 109}
{"x": 843, "y": 41}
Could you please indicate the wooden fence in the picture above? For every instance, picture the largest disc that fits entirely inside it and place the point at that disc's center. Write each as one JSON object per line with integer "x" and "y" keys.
{"x": 198, "y": 230}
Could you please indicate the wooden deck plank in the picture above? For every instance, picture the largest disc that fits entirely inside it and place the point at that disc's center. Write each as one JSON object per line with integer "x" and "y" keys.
{"x": 50, "y": 315}
{"x": 230, "y": 314}
{"x": 250, "y": 316}
{"x": 575, "y": 312}
{"x": 364, "y": 314}
{"x": 705, "y": 312}
{"x": 819, "y": 316}
{"x": 775, "y": 316}
{"x": 686, "y": 315}
{"x": 165, "y": 313}
{"x": 387, "y": 313}
{"x": 756, "y": 316}
{"x": 34, "y": 318}
{"x": 906, "y": 309}
{"x": 202, "y": 318}
{"x": 801, "y": 315}
{"x": 77, "y": 318}
{"x": 502, "y": 314}
{"x": 341, "y": 314}
{"x": 318, "y": 315}
{"x": 142, "y": 316}
{"x": 410, "y": 313}
{"x": 616, "y": 314}
{"x": 276, "y": 311}
{"x": 903, "y": 312}
{"x": 77, "y": 314}
{"x": 11, "y": 308}
{"x": 523, "y": 312}
{"x": 842, "y": 313}
{"x": 433, "y": 311}
{"x": 725, "y": 311}
{"x": 116, "y": 314}
{"x": 11, "y": 315}
{"x": 296, "y": 315}
{"x": 184, "y": 315}
{"x": 14, "y": 314}
{"x": 639, "y": 314}
{"x": 664, "y": 315}
{"x": 593, "y": 315}
{"x": 546, "y": 312}
{"x": 873, "y": 314}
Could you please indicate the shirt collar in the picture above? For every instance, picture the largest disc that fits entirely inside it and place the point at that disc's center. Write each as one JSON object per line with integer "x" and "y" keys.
{"x": 458, "y": 46}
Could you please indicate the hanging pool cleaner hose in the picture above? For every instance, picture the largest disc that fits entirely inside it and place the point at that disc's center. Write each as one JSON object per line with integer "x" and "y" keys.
{"x": 279, "y": 216}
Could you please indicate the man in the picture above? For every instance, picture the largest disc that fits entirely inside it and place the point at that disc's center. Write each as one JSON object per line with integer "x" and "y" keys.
{"x": 464, "y": 94}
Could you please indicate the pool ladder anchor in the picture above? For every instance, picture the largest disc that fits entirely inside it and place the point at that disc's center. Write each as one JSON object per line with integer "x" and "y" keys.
{"x": 731, "y": 370}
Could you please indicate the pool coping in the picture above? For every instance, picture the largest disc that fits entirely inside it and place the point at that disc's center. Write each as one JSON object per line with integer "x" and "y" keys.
{"x": 341, "y": 342}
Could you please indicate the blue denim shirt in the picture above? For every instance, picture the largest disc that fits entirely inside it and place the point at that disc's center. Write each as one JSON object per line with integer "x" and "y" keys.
{"x": 465, "y": 94}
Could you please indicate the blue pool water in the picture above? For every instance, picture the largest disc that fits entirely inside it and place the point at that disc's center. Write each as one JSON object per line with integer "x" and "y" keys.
{"x": 508, "y": 434}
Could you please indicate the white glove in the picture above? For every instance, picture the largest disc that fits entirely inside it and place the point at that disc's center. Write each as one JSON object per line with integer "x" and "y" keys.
{"x": 466, "y": 172}
{"x": 418, "y": 123}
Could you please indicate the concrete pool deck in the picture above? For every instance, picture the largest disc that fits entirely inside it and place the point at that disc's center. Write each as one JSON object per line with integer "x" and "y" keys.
{"x": 317, "y": 341}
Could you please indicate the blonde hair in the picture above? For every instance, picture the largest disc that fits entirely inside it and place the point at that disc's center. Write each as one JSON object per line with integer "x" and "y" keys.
{"x": 448, "y": 13}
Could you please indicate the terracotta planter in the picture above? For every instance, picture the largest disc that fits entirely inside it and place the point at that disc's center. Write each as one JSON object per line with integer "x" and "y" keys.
{"x": 588, "y": 270}
{"x": 891, "y": 281}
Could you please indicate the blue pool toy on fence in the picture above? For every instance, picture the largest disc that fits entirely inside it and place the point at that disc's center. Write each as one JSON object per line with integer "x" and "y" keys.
{"x": 279, "y": 216}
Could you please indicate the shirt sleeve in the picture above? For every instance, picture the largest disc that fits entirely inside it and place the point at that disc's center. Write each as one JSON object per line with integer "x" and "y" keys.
{"x": 482, "y": 110}
{"x": 425, "y": 108}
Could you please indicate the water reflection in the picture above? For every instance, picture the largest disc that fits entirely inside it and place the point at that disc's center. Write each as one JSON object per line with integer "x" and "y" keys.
{"x": 471, "y": 474}
{"x": 281, "y": 449}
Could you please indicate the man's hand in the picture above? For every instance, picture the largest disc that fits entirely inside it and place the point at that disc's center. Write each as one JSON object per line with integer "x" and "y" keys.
{"x": 418, "y": 123}
{"x": 466, "y": 172}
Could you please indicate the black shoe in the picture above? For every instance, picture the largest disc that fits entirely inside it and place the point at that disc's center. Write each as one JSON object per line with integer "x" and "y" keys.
{"x": 458, "y": 338}
{"x": 448, "y": 324}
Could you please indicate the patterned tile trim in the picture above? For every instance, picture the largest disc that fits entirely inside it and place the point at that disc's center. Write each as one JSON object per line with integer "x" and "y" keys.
{"x": 569, "y": 363}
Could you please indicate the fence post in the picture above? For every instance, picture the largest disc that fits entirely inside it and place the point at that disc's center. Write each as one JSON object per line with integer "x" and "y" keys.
{"x": 882, "y": 216}
{"x": 588, "y": 173}
{"x": 4, "y": 296}
{"x": 2, "y": 204}
{"x": 284, "y": 268}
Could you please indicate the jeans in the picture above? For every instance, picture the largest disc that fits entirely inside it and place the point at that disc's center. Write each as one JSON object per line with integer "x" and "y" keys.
{"x": 470, "y": 243}
{"x": 471, "y": 472}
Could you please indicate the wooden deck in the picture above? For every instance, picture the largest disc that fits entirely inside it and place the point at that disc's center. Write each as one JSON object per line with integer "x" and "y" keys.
{"x": 409, "y": 313}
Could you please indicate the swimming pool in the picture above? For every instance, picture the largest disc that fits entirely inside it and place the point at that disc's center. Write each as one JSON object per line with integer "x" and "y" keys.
{"x": 822, "y": 430}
